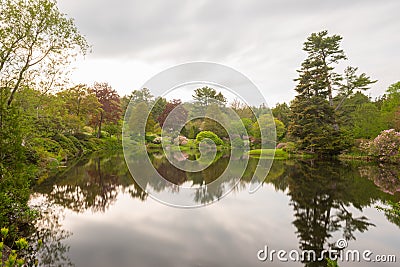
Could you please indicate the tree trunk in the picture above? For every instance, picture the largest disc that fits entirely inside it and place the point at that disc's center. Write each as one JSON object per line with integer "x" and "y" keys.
{"x": 100, "y": 122}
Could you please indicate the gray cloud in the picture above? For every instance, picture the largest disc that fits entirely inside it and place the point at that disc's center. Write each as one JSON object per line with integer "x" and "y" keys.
{"x": 261, "y": 38}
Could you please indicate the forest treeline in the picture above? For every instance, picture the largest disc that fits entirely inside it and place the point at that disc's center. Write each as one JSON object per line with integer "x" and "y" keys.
{"x": 44, "y": 123}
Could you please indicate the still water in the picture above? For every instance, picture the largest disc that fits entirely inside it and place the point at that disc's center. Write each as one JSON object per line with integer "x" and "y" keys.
{"x": 98, "y": 216}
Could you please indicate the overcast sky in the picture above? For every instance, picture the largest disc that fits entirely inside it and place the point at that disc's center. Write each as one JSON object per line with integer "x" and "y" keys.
{"x": 134, "y": 40}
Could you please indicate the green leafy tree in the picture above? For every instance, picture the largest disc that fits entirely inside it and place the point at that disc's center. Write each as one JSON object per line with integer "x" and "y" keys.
{"x": 143, "y": 95}
{"x": 40, "y": 113}
{"x": 158, "y": 107}
{"x": 260, "y": 110}
{"x": 352, "y": 83}
{"x": 206, "y": 96}
{"x": 113, "y": 129}
{"x": 265, "y": 127}
{"x": 215, "y": 124}
{"x": 248, "y": 125}
{"x": 280, "y": 129}
{"x": 367, "y": 121}
{"x": 80, "y": 104}
{"x": 138, "y": 96}
{"x": 391, "y": 106}
{"x": 282, "y": 113}
{"x": 137, "y": 118}
{"x": 243, "y": 110}
{"x": 193, "y": 128}
{"x": 345, "y": 113}
{"x": 151, "y": 125}
{"x": 37, "y": 42}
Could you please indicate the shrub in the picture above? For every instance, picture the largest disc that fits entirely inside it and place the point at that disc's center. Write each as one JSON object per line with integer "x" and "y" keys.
{"x": 281, "y": 145}
{"x": 46, "y": 143}
{"x": 82, "y": 136}
{"x": 181, "y": 140}
{"x": 67, "y": 144}
{"x": 209, "y": 135}
{"x": 290, "y": 147}
{"x": 112, "y": 143}
{"x": 150, "y": 138}
{"x": 76, "y": 142}
{"x": 386, "y": 145}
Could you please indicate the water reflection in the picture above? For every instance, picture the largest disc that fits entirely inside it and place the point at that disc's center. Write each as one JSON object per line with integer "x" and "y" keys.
{"x": 92, "y": 183}
{"x": 52, "y": 249}
{"x": 385, "y": 176}
{"x": 321, "y": 194}
{"x": 325, "y": 197}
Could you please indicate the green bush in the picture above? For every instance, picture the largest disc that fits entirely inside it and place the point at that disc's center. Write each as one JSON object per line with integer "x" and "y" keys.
{"x": 82, "y": 136}
{"x": 47, "y": 144}
{"x": 150, "y": 138}
{"x": 67, "y": 144}
{"x": 93, "y": 144}
{"x": 112, "y": 143}
{"x": 76, "y": 142}
{"x": 191, "y": 143}
{"x": 209, "y": 135}
{"x": 15, "y": 213}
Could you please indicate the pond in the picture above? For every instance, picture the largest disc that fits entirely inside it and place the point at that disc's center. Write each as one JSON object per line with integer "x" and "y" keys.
{"x": 98, "y": 216}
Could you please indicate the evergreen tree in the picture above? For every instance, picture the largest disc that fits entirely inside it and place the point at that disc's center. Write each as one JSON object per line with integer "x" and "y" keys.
{"x": 314, "y": 122}
{"x": 317, "y": 74}
{"x": 312, "y": 125}
{"x": 205, "y": 96}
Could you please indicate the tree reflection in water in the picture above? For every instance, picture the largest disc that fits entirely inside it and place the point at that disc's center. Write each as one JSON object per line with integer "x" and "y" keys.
{"x": 324, "y": 196}
{"x": 52, "y": 251}
{"x": 92, "y": 183}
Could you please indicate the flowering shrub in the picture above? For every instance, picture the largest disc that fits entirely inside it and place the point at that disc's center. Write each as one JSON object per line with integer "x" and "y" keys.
{"x": 180, "y": 140}
{"x": 386, "y": 145}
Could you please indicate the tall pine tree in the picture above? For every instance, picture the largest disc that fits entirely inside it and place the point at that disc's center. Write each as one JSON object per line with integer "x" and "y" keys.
{"x": 313, "y": 123}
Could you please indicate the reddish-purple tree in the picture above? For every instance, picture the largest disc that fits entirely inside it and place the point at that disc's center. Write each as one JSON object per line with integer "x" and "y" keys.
{"x": 110, "y": 111}
{"x": 180, "y": 114}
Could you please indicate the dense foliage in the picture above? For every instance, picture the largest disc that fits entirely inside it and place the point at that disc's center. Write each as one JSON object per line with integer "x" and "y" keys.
{"x": 314, "y": 121}
{"x": 208, "y": 137}
{"x": 44, "y": 122}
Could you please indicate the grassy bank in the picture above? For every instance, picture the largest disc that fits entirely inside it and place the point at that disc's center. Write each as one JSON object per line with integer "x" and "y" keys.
{"x": 364, "y": 157}
{"x": 278, "y": 154}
